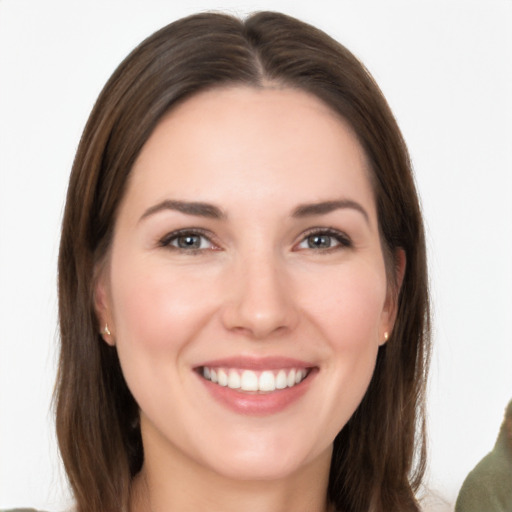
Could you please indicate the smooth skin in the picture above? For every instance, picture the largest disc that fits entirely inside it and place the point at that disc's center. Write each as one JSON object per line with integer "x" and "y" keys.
{"x": 256, "y": 272}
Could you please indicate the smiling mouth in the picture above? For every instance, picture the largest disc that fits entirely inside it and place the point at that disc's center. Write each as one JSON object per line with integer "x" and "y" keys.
{"x": 250, "y": 381}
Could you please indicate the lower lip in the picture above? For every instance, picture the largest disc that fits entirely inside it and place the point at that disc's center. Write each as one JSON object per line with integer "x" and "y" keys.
{"x": 258, "y": 404}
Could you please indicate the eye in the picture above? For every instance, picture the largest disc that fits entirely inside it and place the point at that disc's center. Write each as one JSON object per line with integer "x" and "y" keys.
{"x": 324, "y": 239}
{"x": 188, "y": 241}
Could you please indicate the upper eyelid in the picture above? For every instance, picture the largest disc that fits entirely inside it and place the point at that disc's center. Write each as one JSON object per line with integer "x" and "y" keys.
{"x": 325, "y": 231}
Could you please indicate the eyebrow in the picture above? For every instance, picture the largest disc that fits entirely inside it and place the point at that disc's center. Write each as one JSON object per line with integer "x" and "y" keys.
{"x": 190, "y": 208}
{"x": 325, "y": 207}
{"x": 213, "y": 212}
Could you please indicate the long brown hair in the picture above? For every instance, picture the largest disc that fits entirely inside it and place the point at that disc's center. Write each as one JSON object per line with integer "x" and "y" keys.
{"x": 379, "y": 456}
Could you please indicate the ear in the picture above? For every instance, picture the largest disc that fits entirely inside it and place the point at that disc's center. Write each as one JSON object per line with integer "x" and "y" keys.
{"x": 102, "y": 307}
{"x": 394, "y": 286}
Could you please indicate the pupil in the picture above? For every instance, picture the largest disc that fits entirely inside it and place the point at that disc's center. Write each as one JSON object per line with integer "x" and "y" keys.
{"x": 189, "y": 241}
{"x": 319, "y": 241}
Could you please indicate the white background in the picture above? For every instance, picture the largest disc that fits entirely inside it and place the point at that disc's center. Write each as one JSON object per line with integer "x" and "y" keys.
{"x": 445, "y": 67}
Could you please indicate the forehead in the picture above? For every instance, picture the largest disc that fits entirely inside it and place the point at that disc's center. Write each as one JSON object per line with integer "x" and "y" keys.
{"x": 252, "y": 142}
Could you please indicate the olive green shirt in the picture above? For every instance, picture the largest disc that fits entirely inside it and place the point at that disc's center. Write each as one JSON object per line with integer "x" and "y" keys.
{"x": 488, "y": 487}
{"x": 22, "y": 510}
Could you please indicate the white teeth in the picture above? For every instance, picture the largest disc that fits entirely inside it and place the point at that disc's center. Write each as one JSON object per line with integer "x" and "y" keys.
{"x": 267, "y": 381}
{"x": 248, "y": 380}
{"x": 223, "y": 377}
{"x": 281, "y": 381}
{"x": 233, "y": 379}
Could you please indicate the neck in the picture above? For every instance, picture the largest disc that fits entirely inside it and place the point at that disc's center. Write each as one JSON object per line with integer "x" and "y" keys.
{"x": 168, "y": 487}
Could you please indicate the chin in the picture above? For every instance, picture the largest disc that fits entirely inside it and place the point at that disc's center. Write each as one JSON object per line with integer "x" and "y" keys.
{"x": 268, "y": 469}
{"x": 265, "y": 461}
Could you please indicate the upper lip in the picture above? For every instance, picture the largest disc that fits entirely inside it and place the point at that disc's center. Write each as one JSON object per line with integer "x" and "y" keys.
{"x": 257, "y": 363}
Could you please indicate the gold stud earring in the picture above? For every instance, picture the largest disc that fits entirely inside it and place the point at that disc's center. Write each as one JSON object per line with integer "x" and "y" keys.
{"x": 106, "y": 330}
{"x": 386, "y": 336}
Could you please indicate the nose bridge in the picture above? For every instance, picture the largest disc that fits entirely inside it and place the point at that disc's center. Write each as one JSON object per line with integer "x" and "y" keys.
{"x": 260, "y": 301}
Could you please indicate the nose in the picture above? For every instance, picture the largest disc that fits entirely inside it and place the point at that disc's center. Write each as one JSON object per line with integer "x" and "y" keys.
{"x": 259, "y": 299}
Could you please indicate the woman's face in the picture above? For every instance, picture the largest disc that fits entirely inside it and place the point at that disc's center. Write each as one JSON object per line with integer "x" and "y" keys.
{"x": 246, "y": 251}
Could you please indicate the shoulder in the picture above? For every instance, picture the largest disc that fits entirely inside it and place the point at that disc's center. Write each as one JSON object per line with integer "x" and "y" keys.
{"x": 21, "y": 510}
{"x": 487, "y": 486}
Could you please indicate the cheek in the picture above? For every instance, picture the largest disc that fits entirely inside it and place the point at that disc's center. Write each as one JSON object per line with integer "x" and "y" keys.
{"x": 157, "y": 314}
{"x": 350, "y": 309}
{"x": 351, "y": 326}
{"x": 156, "y": 308}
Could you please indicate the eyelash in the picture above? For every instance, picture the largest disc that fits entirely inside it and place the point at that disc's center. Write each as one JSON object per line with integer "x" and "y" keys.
{"x": 343, "y": 241}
